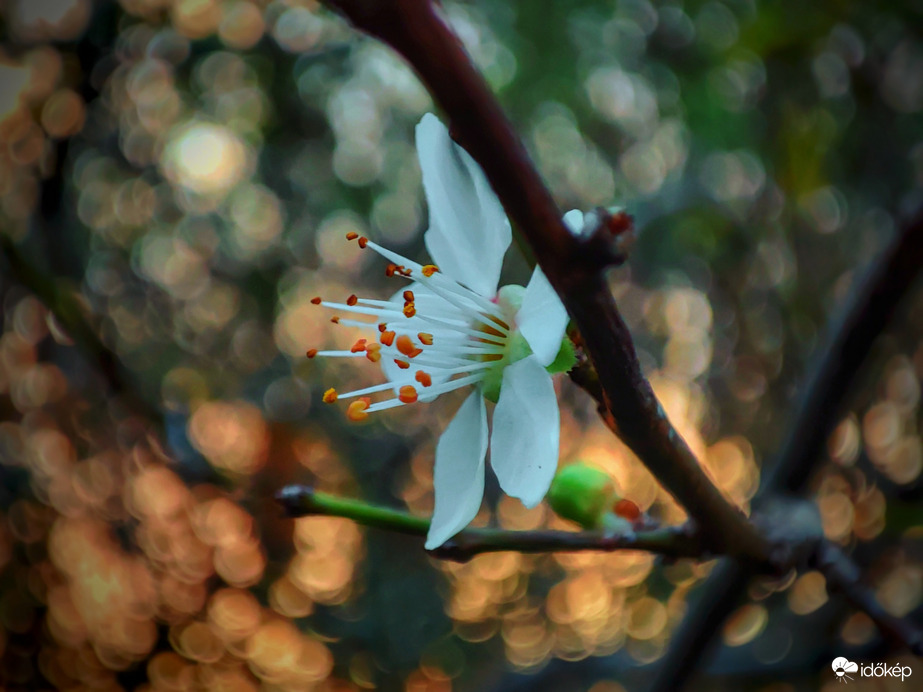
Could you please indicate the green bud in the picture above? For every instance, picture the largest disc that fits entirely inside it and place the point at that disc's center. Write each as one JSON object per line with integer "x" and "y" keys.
{"x": 583, "y": 494}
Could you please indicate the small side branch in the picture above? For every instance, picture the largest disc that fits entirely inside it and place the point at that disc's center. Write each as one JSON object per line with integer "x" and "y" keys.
{"x": 673, "y": 542}
{"x": 844, "y": 577}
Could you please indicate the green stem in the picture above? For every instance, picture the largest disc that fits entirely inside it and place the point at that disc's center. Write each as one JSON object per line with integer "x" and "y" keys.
{"x": 672, "y": 541}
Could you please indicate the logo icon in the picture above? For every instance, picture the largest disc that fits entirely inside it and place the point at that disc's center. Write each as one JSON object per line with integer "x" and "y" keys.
{"x": 841, "y": 666}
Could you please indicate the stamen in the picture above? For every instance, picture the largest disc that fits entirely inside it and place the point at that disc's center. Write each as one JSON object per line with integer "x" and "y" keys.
{"x": 340, "y": 354}
{"x": 330, "y": 396}
{"x": 357, "y": 411}
{"x": 407, "y": 394}
{"x": 390, "y": 269}
{"x": 402, "y": 364}
{"x": 405, "y": 345}
{"x": 409, "y": 310}
{"x": 352, "y": 235}
{"x": 382, "y": 326}
{"x": 496, "y": 320}
{"x": 316, "y": 300}
{"x": 335, "y": 319}
{"x": 383, "y": 405}
{"x": 387, "y": 338}
{"x": 408, "y": 296}
{"x": 424, "y": 378}
{"x": 425, "y": 339}
{"x": 373, "y": 352}
{"x": 429, "y": 270}
{"x": 442, "y": 287}
{"x": 363, "y": 241}
{"x": 374, "y": 389}
{"x": 396, "y": 259}
{"x": 452, "y": 385}
{"x": 359, "y": 346}
{"x": 352, "y": 300}
{"x": 381, "y": 311}
{"x": 311, "y": 352}
{"x": 436, "y": 391}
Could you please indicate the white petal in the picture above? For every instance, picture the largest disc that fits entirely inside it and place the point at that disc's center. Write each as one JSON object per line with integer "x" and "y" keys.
{"x": 524, "y": 441}
{"x": 469, "y": 231}
{"x": 542, "y": 318}
{"x": 574, "y": 221}
{"x": 458, "y": 478}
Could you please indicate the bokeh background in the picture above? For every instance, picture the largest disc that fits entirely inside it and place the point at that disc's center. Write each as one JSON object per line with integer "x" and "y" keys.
{"x": 182, "y": 173}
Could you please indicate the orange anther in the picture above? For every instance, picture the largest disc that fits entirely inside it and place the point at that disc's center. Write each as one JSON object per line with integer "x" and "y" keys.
{"x": 408, "y": 296}
{"x": 312, "y": 352}
{"x": 330, "y": 396}
{"x": 352, "y": 300}
{"x": 335, "y": 319}
{"x": 407, "y": 394}
{"x": 430, "y": 269}
{"x": 405, "y": 345}
{"x": 410, "y": 310}
{"x": 363, "y": 241}
{"x": 627, "y": 509}
{"x": 425, "y": 339}
{"x": 356, "y": 411}
{"x": 387, "y": 338}
{"x": 424, "y": 378}
{"x": 358, "y": 347}
{"x": 382, "y": 327}
{"x": 316, "y": 300}
{"x": 373, "y": 352}
{"x": 352, "y": 235}
{"x": 402, "y": 364}
{"x": 390, "y": 269}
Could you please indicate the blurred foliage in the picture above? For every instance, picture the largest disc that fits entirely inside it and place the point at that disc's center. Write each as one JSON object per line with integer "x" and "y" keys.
{"x": 191, "y": 167}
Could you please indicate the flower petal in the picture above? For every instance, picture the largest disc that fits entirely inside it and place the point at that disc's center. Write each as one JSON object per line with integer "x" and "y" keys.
{"x": 542, "y": 318}
{"x": 469, "y": 232}
{"x": 574, "y": 221}
{"x": 524, "y": 441}
{"x": 458, "y": 478}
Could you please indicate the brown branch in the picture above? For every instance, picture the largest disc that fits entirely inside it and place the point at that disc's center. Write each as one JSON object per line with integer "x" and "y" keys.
{"x": 871, "y": 307}
{"x": 673, "y": 541}
{"x": 415, "y": 30}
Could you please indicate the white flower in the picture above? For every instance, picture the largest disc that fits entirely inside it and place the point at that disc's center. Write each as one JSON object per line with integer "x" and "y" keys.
{"x": 451, "y": 327}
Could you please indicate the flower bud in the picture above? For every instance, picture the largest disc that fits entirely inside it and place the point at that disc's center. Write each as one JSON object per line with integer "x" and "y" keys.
{"x": 583, "y": 494}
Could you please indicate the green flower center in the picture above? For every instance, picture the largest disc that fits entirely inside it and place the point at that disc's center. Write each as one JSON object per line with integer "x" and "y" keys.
{"x": 509, "y": 300}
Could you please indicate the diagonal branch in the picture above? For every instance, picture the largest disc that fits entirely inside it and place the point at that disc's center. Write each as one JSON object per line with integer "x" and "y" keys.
{"x": 415, "y": 30}
{"x": 673, "y": 541}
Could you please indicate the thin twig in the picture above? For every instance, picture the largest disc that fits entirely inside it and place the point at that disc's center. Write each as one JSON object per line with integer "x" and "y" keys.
{"x": 416, "y": 30}
{"x": 844, "y": 577}
{"x": 673, "y": 542}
